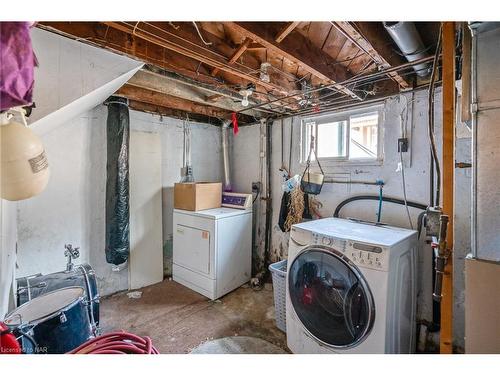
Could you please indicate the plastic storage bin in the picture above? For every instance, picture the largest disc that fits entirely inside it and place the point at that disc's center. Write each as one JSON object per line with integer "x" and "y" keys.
{"x": 278, "y": 272}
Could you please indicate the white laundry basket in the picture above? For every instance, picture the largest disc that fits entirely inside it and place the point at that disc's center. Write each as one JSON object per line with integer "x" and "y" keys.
{"x": 278, "y": 272}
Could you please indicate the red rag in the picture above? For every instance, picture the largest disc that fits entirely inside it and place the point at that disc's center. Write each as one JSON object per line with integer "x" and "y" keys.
{"x": 235, "y": 123}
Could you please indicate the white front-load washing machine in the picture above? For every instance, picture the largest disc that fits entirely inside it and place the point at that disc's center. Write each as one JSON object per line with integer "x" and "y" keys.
{"x": 351, "y": 288}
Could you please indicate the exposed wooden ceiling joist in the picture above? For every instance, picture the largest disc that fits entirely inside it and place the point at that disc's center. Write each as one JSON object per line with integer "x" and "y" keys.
{"x": 212, "y": 74}
{"x": 285, "y": 31}
{"x": 168, "y": 101}
{"x": 176, "y": 66}
{"x": 236, "y": 55}
{"x": 177, "y": 44}
{"x": 364, "y": 43}
{"x": 297, "y": 49}
{"x": 255, "y": 46}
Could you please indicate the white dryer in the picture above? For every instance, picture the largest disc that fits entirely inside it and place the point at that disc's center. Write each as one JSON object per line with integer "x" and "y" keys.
{"x": 212, "y": 250}
{"x": 351, "y": 288}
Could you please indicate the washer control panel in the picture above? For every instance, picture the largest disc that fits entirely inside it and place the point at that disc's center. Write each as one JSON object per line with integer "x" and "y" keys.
{"x": 367, "y": 255}
{"x": 333, "y": 242}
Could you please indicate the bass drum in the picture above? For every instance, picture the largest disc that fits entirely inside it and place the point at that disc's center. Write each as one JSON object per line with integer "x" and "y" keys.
{"x": 53, "y": 323}
{"x": 81, "y": 275}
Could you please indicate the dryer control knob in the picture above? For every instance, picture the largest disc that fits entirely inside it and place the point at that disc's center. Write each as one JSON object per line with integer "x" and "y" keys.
{"x": 327, "y": 241}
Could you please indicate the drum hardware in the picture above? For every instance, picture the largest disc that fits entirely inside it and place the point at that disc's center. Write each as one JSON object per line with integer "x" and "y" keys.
{"x": 28, "y": 284}
{"x": 23, "y": 289}
{"x": 71, "y": 253}
{"x": 63, "y": 318}
{"x": 91, "y": 300}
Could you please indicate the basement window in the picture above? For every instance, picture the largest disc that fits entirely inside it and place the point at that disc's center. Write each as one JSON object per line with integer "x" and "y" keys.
{"x": 349, "y": 136}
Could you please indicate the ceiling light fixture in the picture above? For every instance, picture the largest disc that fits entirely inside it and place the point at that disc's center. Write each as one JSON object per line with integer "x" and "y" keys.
{"x": 245, "y": 94}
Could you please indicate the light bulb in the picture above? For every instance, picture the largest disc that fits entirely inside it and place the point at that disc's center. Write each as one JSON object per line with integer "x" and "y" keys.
{"x": 244, "y": 101}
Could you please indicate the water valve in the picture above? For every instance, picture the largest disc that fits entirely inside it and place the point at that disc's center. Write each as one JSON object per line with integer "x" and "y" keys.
{"x": 442, "y": 253}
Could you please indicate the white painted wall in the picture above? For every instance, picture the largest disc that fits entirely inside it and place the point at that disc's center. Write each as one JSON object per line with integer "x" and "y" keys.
{"x": 246, "y": 169}
{"x": 8, "y": 238}
{"x": 71, "y": 209}
{"x": 72, "y": 78}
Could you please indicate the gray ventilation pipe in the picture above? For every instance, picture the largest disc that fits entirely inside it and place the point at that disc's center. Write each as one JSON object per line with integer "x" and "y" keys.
{"x": 406, "y": 36}
{"x": 225, "y": 155}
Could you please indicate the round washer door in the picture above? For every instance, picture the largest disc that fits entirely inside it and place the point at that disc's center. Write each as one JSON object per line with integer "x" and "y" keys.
{"x": 330, "y": 297}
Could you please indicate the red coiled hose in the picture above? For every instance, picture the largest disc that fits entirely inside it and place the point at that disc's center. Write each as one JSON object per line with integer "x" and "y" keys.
{"x": 8, "y": 342}
{"x": 120, "y": 342}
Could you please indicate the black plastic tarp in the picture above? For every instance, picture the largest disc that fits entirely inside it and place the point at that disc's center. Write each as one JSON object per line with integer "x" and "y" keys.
{"x": 117, "y": 181}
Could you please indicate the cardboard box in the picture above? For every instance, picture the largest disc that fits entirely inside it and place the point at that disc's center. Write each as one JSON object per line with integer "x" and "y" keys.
{"x": 196, "y": 196}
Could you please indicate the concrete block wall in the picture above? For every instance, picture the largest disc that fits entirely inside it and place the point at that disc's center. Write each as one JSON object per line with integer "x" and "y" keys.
{"x": 71, "y": 209}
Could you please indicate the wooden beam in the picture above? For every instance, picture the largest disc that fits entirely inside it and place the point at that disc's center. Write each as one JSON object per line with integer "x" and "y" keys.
{"x": 170, "y": 41}
{"x": 298, "y": 49}
{"x": 236, "y": 55}
{"x": 176, "y": 113}
{"x": 255, "y": 46}
{"x": 448, "y": 61}
{"x": 466, "y": 72}
{"x": 363, "y": 43}
{"x": 168, "y": 101}
{"x": 285, "y": 31}
{"x": 213, "y": 98}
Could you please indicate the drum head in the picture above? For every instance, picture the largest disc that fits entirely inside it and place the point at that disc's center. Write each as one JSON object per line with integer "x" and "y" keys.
{"x": 44, "y": 306}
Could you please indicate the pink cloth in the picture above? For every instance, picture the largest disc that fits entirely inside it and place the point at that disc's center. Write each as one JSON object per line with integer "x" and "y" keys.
{"x": 17, "y": 62}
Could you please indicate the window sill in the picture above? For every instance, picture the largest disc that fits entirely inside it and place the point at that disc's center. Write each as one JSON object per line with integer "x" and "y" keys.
{"x": 345, "y": 163}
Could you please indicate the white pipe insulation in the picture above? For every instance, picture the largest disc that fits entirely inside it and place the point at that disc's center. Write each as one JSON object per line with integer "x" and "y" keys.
{"x": 225, "y": 155}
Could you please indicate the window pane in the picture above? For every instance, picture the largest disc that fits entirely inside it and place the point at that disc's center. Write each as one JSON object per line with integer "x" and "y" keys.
{"x": 363, "y": 136}
{"x": 332, "y": 139}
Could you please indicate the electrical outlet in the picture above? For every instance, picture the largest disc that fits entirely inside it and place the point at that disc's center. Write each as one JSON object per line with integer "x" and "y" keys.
{"x": 402, "y": 144}
{"x": 255, "y": 187}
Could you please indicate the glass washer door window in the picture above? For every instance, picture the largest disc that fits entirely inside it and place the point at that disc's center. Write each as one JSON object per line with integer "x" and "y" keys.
{"x": 330, "y": 298}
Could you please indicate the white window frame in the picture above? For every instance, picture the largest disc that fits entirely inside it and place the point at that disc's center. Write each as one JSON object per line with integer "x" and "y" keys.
{"x": 343, "y": 116}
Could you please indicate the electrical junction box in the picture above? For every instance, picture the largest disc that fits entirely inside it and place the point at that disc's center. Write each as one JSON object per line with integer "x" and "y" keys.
{"x": 402, "y": 144}
{"x": 432, "y": 221}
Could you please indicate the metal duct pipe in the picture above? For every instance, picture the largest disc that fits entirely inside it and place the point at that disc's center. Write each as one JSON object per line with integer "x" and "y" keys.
{"x": 406, "y": 36}
{"x": 225, "y": 156}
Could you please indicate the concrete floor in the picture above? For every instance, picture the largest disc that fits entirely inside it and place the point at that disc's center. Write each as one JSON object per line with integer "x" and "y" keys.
{"x": 178, "y": 319}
